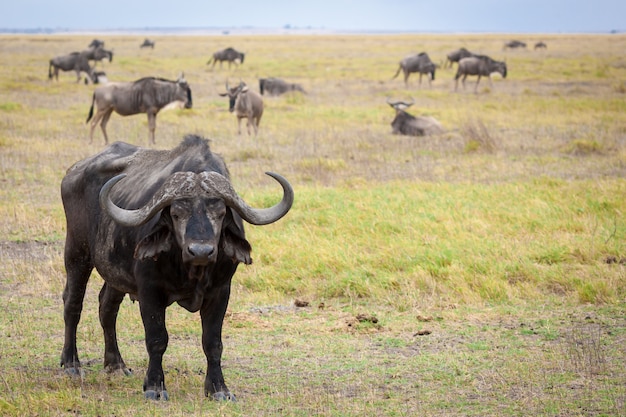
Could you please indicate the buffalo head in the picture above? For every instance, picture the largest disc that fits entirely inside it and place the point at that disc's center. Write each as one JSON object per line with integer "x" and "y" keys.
{"x": 194, "y": 207}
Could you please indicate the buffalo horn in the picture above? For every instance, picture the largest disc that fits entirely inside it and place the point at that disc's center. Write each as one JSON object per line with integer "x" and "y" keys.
{"x": 215, "y": 184}
{"x": 190, "y": 185}
{"x": 178, "y": 185}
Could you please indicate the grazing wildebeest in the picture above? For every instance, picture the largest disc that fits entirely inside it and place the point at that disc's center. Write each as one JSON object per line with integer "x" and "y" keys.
{"x": 480, "y": 65}
{"x": 407, "y": 124}
{"x": 147, "y": 43}
{"x": 541, "y": 45}
{"x": 228, "y": 54}
{"x": 96, "y": 43}
{"x": 456, "y": 56}
{"x": 514, "y": 44}
{"x": 246, "y": 104}
{"x": 417, "y": 63}
{"x": 146, "y": 95}
{"x": 76, "y": 61}
{"x": 276, "y": 86}
{"x": 98, "y": 54}
{"x": 163, "y": 226}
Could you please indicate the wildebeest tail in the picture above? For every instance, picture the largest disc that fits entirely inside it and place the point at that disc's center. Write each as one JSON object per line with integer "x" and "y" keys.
{"x": 93, "y": 99}
{"x": 433, "y": 73}
{"x": 397, "y": 72}
{"x": 262, "y": 85}
{"x": 242, "y": 55}
{"x": 50, "y": 70}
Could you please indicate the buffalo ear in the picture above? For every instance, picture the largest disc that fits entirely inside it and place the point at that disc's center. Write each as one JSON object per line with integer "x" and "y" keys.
{"x": 159, "y": 240}
{"x": 233, "y": 243}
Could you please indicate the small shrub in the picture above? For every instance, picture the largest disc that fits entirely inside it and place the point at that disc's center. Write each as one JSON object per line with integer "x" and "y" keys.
{"x": 477, "y": 137}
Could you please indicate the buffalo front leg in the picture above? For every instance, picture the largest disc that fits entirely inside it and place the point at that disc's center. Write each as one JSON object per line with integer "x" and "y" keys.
{"x": 110, "y": 300}
{"x": 212, "y": 314}
{"x": 78, "y": 268}
{"x": 153, "y": 317}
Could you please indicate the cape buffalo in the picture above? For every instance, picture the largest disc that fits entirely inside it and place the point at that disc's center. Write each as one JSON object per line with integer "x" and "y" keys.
{"x": 162, "y": 226}
{"x": 275, "y": 86}
{"x": 76, "y": 61}
{"x": 456, "y": 56}
{"x": 407, "y": 124}
{"x": 480, "y": 65}
{"x": 246, "y": 104}
{"x": 146, "y": 95}
{"x": 228, "y": 54}
{"x": 417, "y": 63}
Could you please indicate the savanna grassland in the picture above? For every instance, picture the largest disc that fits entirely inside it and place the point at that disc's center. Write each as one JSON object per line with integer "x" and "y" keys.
{"x": 481, "y": 272}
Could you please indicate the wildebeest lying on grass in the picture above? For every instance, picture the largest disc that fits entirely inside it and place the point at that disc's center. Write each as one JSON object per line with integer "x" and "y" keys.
{"x": 541, "y": 45}
{"x": 147, "y": 43}
{"x": 146, "y": 95}
{"x": 229, "y": 54}
{"x": 180, "y": 240}
{"x": 419, "y": 63}
{"x": 407, "y": 124}
{"x": 514, "y": 44}
{"x": 480, "y": 65}
{"x": 276, "y": 86}
{"x": 246, "y": 104}
{"x": 75, "y": 61}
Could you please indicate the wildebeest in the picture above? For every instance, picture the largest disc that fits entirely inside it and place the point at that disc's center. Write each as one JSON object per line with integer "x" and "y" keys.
{"x": 276, "y": 86}
{"x": 514, "y": 44}
{"x": 163, "y": 226}
{"x": 480, "y": 65}
{"x": 417, "y": 63}
{"x": 407, "y": 124}
{"x": 76, "y": 61}
{"x": 229, "y": 54}
{"x": 146, "y": 95}
{"x": 98, "y": 54}
{"x": 246, "y": 104}
{"x": 147, "y": 43}
{"x": 456, "y": 56}
{"x": 96, "y": 43}
{"x": 540, "y": 45}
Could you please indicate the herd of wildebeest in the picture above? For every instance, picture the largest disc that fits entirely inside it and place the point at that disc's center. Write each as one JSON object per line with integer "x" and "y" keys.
{"x": 167, "y": 226}
{"x": 151, "y": 94}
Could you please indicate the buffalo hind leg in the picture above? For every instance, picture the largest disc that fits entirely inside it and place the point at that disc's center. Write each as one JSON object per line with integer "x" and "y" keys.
{"x": 78, "y": 267}
{"x": 110, "y": 300}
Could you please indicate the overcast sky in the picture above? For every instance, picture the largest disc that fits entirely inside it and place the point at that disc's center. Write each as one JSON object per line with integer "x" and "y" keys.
{"x": 546, "y": 16}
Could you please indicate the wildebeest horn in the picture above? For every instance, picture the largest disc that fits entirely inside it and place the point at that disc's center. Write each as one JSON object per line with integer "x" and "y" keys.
{"x": 213, "y": 183}
{"x": 189, "y": 185}
{"x": 402, "y": 104}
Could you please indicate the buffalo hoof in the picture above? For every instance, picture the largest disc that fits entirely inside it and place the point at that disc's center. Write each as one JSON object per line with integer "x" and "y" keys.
{"x": 75, "y": 372}
{"x": 224, "y": 396}
{"x": 156, "y": 395}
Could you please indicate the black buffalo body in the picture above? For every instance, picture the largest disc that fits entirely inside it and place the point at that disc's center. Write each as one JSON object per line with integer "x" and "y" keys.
{"x": 164, "y": 226}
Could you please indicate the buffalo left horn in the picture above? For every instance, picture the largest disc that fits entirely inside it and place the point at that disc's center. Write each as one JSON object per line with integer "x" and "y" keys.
{"x": 214, "y": 184}
{"x": 178, "y": 185}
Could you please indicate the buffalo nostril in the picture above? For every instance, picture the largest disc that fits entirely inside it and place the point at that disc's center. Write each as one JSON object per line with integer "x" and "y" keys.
{"x": 200, "y": 250}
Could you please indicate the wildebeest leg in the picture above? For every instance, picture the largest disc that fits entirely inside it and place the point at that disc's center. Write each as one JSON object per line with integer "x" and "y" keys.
{"x": 77, "y": 75}
{"x": 406, "y": 77}
{"x": 152, "y": 309}
{"x": 110, "y": 300}
{"x": 239, "y": 126}
{"x": 212, "y": 314}
{"x": 106, "y": 115}
{"x": 151, "y": 126}
{"x": 78, "y": 267}
{"x": 476, "y": 86}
